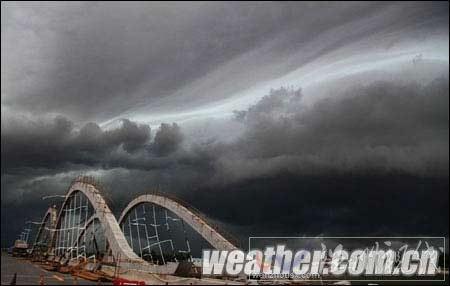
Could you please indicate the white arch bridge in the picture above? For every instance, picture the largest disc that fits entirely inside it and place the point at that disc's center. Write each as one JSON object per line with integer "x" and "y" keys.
{"x": 151, "y": 234}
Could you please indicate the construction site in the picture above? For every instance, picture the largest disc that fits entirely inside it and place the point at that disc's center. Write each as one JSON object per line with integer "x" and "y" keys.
{"x": 149, "y": 243}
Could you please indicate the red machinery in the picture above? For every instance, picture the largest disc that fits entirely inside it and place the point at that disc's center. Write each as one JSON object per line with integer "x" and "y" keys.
{"x": 127, "y": 282}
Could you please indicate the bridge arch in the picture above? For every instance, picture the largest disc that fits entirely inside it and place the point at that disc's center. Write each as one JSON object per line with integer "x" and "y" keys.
{"x": 82, "y": 244}
{"x": 85, "y": 194}
{"x": 116, "y": 240}
{"x": 187, "y": 214}
{"x": 47, "y": 226}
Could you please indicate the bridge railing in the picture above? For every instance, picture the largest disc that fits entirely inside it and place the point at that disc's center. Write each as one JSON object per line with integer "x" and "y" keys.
{"x": 97, "y": 184}
{"x": 202, "y": 215}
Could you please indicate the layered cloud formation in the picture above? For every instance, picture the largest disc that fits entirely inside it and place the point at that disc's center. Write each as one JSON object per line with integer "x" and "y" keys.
{"x": 265, "y": 116}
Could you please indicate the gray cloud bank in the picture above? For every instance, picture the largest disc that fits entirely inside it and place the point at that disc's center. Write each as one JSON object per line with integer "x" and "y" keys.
{"x": 53, "y": 144}
{"x": 381, "y": 128}
{"x": 93, "y": 61}
{"x": 384, "y": 127}
{"x": 374, "y": 142}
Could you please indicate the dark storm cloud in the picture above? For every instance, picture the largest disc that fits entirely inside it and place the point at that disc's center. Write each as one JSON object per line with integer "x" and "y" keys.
{"x": 167, "y": 139}
{"x": 54, "y": 144}
{"x": 373, "y": 160}
{"x": 381, "y": 128}
{"x": 353, "y": 205}
{"x": 91, "y": 61}
{"x": 384, "y": 145}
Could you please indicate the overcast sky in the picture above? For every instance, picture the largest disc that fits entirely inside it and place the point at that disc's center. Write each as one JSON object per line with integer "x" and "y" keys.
{"x": 272, "y": 118}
